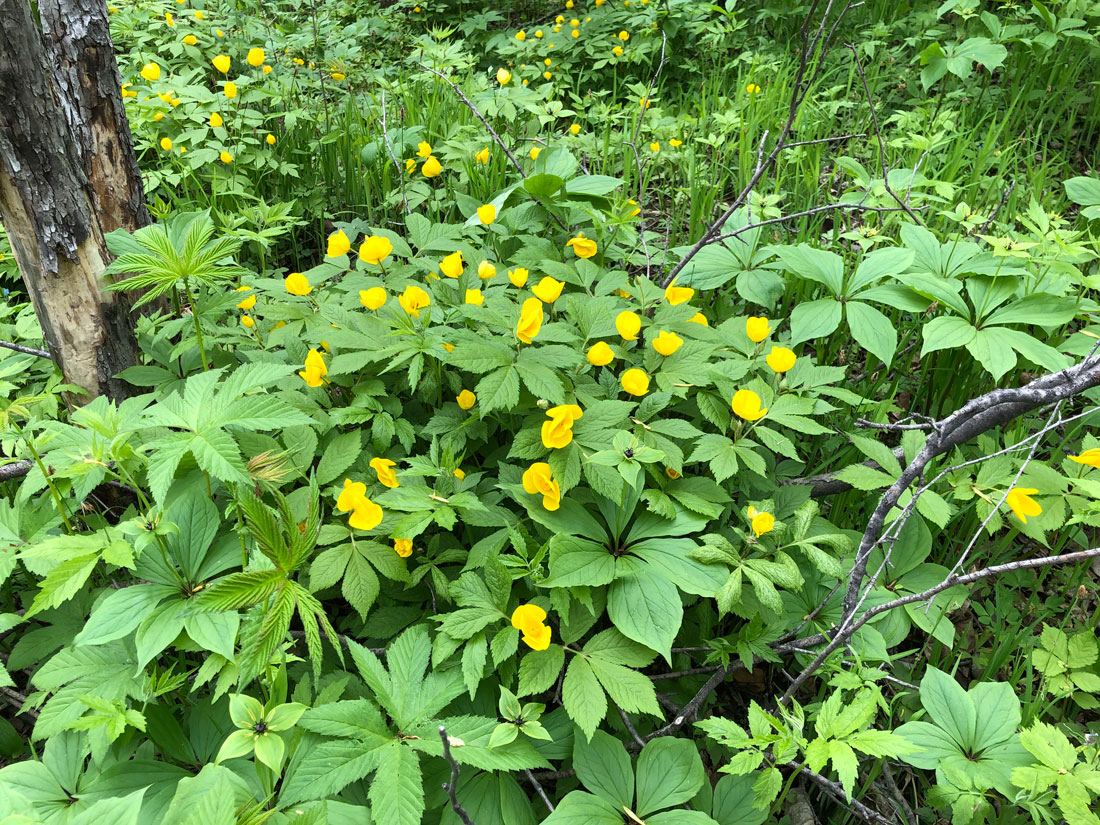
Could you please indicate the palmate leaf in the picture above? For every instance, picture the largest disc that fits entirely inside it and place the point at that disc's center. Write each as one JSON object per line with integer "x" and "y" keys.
{"x": 397, "y": 792}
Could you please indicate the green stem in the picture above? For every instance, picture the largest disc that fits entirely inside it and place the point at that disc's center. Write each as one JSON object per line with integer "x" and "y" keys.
{"x": 54, "y": 494}
{"x": 198, "y": 327}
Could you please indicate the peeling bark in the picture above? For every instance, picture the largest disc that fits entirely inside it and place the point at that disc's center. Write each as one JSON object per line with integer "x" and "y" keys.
{"x": 49, "y": 209}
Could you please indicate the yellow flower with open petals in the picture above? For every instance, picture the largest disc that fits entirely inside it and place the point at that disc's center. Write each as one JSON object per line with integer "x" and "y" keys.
{"x": 365, "y": 514}
{"x": 255, "y": 57}
{"x": 699, "y": 318}
{"x": 582, "y": 247}
{"x": 548, "y": 289}
{"x": 451, "y": 266}
{"x": 297, "y": 284}
{"x": 482, "y": 156}
{"x": 353, "y": 491}
{"x": 487, "y": 214}
{"x": 384, "y": 468}
{"x": 635, "y": 382}
{"x": 403, "y": 547}
{"x": 222, "y": 63}
{"x": 414, "y": 299}
{"x": 761, "y": 523}
{"x": 600, "y": 354}
{"x": 537, "y": 479}
{"x": 521, "y": 36}
{"x": 558, "y": 431}
{"x": 530, "y": 320}
{"x": 424, "y": 149}
{"x": 375, "y": 249}
{"x": 781, "y": 359}
{"x": 667, "y": 343}
{"x": 518, "y": 276}
{"x": 677, "y": 295}
{"x": 315, "y": 369}
{"x": 629, "y": 324}
{"x": 373, "y": 298}
{"x": 475, "y": 297}
{"x": 530, "y": 620}
{"x": 1021, "y": 503}
{"x": 757, "y": 328}
{"x": 339, "y": 244}
{"x": 466, "y": 400}
{"x": 746, "y": 404}
{"x": 1090, "y": 457}
{"x": 431, "y": 168}
{"x": 673, "y": 142}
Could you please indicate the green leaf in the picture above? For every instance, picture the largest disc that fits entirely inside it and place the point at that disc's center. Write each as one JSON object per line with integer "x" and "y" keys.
{"x": 63, "y": 582}
{"x": 734, "y": 802}
{"x": 815, "y": 319}
{"x": 543, "y": 186}
{"x": 338, "y": 456}
{"x": 645, "y": 606}
{"x": 206, "y": 799}
{"x": 397, "y": 793}
{"x": 669, "y": 772}
{"x": 580, "y": 808}
{"x": 946, "y": 332}
{"x": 498, "y": 390}
{"x": 819, "y": 265}
{"x": 603, "y": 765}
{"x": 119, "y": 612}
{"x": 583, "y": 697}
{"x": 327, "y": 768}
{"x": 630, "y": 690}
{"x": 872, "y": 330}
{"x": 539, "y": 669}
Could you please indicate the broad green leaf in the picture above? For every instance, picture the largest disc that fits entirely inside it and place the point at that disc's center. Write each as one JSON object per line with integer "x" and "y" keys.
{"x": 580, "y": 808}
{"x": 603, "y": 766}
{"x": 669, "y": 772}
{"x": 397, "y": 792}
{"x": 645, "y": 606}
{"x": 583, "y": 696}
{"x": 539, "y": 669}
{"x": 872, "y": 330}
{"x": 815, "y": 319}
{"x": 946, "y": 332}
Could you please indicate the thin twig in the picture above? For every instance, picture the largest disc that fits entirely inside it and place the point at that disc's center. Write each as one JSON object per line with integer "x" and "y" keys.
{"x": 538, "y": 789}
{"x": 630, "y": 727}
{"x": 837, "y": 792}
{"x": 452, "y": 787}
{"x": 41, "y": 353}
{"x": 1004, "y": 199}
{"x": 389, "y": 148}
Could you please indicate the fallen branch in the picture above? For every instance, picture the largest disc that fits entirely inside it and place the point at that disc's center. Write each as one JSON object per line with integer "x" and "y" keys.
{"x": 836, "y": 791}
{"x": 452, "y": 787}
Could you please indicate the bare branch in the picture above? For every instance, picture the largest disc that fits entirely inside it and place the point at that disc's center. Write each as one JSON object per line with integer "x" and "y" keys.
{"x": 41, "y": 353}
{"x": 452, "y": 787}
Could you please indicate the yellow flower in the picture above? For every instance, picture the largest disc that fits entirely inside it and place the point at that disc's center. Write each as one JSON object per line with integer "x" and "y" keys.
{"x": 761, "y": 522}
{"x": 225, "y": 157}
{"x": 538, "y": 480}
{"x": 534, "y": 153}
{"x": 375, "y": 249}
{"x": 699, "y": 318}
{"x": 575, "y": 129}
{"x": 518, "y": 276}
{"x": 270, "y": 140}
{"x": 222, "y": 63}
{"x": 474, "y": 296}
{"x": 168, "y": 18}
{"x": 1090, "y": 457}
{"x": 548, "y": 289}
{"x": 752, "y": 89}
{"x": 487, "y": 213}
{"x": 677, "y": 295}
{"x": 667, "y": 343}
{"x": 218, "y": 32}
{"x": 198, "y": 15}
{"x": 373, "y": 298}
{"x": 575, "y": 33}
{"x": 624, "y": 36}
{"x": 384, "y": 468}
{"x": 582, "y": 247}
{"x": 424, "y": 149}
{"x": 230, "y": 90}
{"x": 617, "y": 51}
{"x": 449, "y": 347}
{"x": 503, "y": 76}
{"x": 558, "y": 431}
{"x": 600, "y": 354}
{"x": 780, "y": 359}
{"x": 655, "y": 147}
{"x": 528, "y": 619}
{"x": 521, "y": 35}
{"x": 255, "y": 57}
{"x": 166, "y": 144}
{"x": 530, "y": 320}
{"x": 403, "y": 547}
{"x": 538, "y": 33}
{"x": 460, "y": 474}
{"x": 338, "y": 244}
{"x": 636, "y": 211}
{"x": 574, "y": 22}
{"x": 431, "y": 167}
{"x": 151, "y": 71}
{"x": 674, "y": 142}
{"x": 338, "y": 76}
{"x": 547, "y": 76}
{"x": 365, "y": 514}
{"x": 757, "y": 328}
{"x": 315, "y": 369}
{"x": 635, "y": 382}
{"x": 671, "y": 473}
{"x": 247, "y": 321}
{"x": 410, "y": 164}
{"x": 299, "y": 62}
{"x": 126, "y": 92}
{"x": 247, "y": 303}
{"x": 297, "y": 284}
{"x": 414, "y": 299}
{"x": 482, "y": 156}
{"x": 746, "y": 404}
{"x": 267, "y": 69}
{"x": 451, "y": 266}
{"x": 466, "y": 399}
{"x": 216, "y": 120}
{"x": 1021, "y": 503}
{"x": 645, "y": 103}
{"x": 486, "y": 270}
{"x": 629, "y": 324}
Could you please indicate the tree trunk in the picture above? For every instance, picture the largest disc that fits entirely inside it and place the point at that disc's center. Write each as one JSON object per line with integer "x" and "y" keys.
{"x": 48, "y": 208}
{"x": 78, "y": 42}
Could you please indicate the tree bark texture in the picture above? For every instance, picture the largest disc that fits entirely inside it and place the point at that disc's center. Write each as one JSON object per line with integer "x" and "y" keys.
{"x": 48, "y": 209}
{"x": 78, "y": 42}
